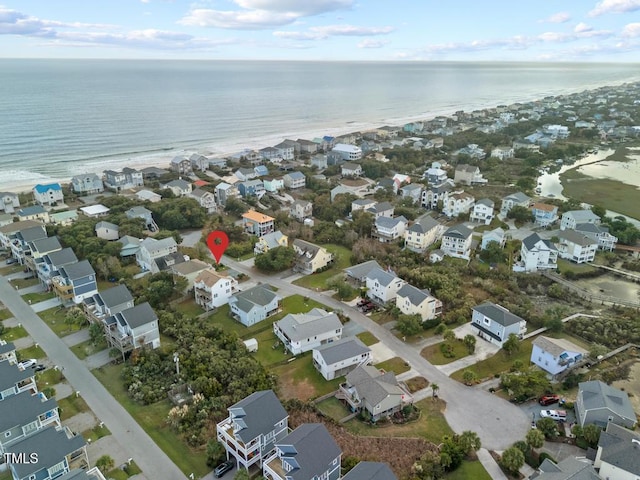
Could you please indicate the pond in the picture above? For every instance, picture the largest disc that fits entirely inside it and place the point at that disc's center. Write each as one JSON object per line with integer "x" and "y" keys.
{"x": 610, "y": 285}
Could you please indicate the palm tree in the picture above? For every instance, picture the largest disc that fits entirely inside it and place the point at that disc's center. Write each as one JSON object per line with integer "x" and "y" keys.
{"x": 434, "y": 390}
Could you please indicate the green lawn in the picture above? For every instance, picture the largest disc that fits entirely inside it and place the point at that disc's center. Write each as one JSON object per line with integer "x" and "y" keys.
{"x": 24, "y": 282}
{"x": 431, "y": 425}
{"x": 13, "y": 333}
{"x": 334, "y": 408}
{"x": 189, "y": 308}
{"x": 567, "y": 266}
{"x": 38, "y": 297}
{"x": 54, "y": 317}
{"x": 72, "y": 405}
{"x": 499, "y": 363}
{"x": 367, "y": 338}
{"x": 123, "y": 474}
{"x": 5, "y": 313}
{"x": 467, "y": 470}
{"x": 8, "y": 270}
{"x": 96, "y": 433}
{"x": 382, "y": 317}
{"x": 318, "y": 281}
{"x": 48, "y": 378}
{"x": 31, "y": 352}
{"x": 299, "y": 379}
{"x": 87, "y": 348}
{"x": 152, "y": 419}
{"x": 434, "y": 355}
{"x": 396, "y": 365}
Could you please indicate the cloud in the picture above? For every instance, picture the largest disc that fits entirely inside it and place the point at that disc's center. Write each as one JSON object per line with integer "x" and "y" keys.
{"x": 560, "y": 17}
{"x": 371, "y": 43}
{"x": 324, "y": 32}
{"x": 614, "y": 6}
{"x": 582, "y": 27}
{"x": 261, "y": 14}
{"x": 13, "y": 22}
{"x": 631, "y": 30}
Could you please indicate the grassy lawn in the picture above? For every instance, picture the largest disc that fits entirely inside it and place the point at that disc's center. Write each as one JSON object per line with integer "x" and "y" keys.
{"x": 382, "y": 317}
{"x": 416, "y": 383}
{"x": 24, "y": 282}
{"x": 152, "y": 419}
{"x": 431, "y": 425}
{"x": 54, "y": 317}
{"x": 299, "y": 379}
{"x": 38, "y": 296}
{"x": 12, "y": 333}
{"x": 87, "y": 348}
{"x": 434, "y": 354}
{"x": 567, "y": 266}
{"x": 96, "y": 433}
{"x": 31, "y": 352}
{"x": 72, "y": 405}
{"x": 468, "y": 470}
{"x": 5, "y": 313}
{"x": 267, "y": 355}
{"x": 499, "y": 363}
{"x": 48, "y": 378}
{"x": 334, "y": 408}
{"x": 396, "y": 365}
{"x": 367, "y": 338}
{"x": 318, "y": 281}
{"x": 189, "y": 308}
{"x": 123, "y": 474}
{"x": 8, "y": 270}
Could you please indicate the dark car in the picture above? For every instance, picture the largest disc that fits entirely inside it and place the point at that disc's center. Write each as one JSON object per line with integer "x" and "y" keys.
{"x": 223, "y": 468}
{"x": 39, "y": 368}
{"x": 548, "y": 400}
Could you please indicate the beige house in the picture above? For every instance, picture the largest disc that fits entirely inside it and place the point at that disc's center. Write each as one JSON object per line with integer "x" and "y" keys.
{"x": 270, "y": 241}
{"x": 424, "y": 232}
{"x": 311, "y": 258}
{"x": 301, "y": 210}
{"x": 413, "y": 301}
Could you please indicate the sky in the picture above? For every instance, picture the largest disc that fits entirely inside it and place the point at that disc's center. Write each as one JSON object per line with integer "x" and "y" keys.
{"x": 321, "y": 30}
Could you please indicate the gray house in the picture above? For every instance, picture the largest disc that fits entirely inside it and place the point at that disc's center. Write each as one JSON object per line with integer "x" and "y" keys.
{"x": 370, "y": 471}
{"x": 340, "y": 357}
{"x": 87, "y": 183}
{"x": 568, "y": 469}
{"x": 133, "y": 328}
{"x": 301, "y": 332}
{"x": 494, "y": 323}
{"x": 107, "y": 231}
{"x": 75, "y": 282}
{"x": 307, "y": 452}
{"x": 600, "y": 404}
{"x": 359, "y": 272}
{"x": 145, "y": 214}
{"x": 9, "y": 202}
{"x": 14, "y": 380}
{"x": 253, "y": 427}
{"x": 108, "y": 302}
{"x": 8, "y": 352}
{"x": 52, "y": 262}
{"x": 254, "y": 305}
{"x": 618, "y": 454}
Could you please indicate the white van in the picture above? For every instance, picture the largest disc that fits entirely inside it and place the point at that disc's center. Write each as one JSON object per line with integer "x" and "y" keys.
{"x": 560, "y": 415}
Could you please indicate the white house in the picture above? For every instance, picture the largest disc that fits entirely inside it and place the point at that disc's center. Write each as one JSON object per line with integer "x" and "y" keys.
{"x": 338, "y": 358}
{"x": 482, "y": 211}
{"x": 503, "y": 152}
{"x": 87, "y": 183}
{"x": 9, "y": 201}
{"x": 48, "y": 194}
{"x": 348, "y": 152}
{"x": 424, "y": 232}
{"x": 413, "y": 301}
{"x": 152, "y": 249}
{"x": 495, "y": 323}
{"x": 457, "y": 203}
{"x": 179, "y": 187}
{"x": 468, "y": 175}
{"x": 576, "y": 247}
{"x": 351, "y": 170}
{"x": 133, "y": 328}
{"x": 294, "y": 180}
{"x": 497, "y": 235}
{"x": 212, "y": 289}
{"x": 301, "y": 210}
{"x": 254, "y": 304}
{"x": 362, "y": 204}
{"x": 389, "y": 229}
{"x": 206, "y": 200}
{"x": 107, "y": 231}
{"x": 537, "y": 254}
{"x": 555, "y": 355}
{"x": 301, "y": 332}
{"x": 573, "y": 218}
{"x": 514, "y": 199}
{"x": 456, "y": 242}
{"x": 382, "y": 286}
{"x": 599, "y": 233}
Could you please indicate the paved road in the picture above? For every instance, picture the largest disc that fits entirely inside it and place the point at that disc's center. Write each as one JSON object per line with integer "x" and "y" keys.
{"x": 498, "y": 422}
{"x": 139, "y": 446}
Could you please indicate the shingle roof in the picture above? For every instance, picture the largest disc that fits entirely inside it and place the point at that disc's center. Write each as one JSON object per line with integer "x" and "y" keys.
{"x": 556, "y": 346}
{"x": 209, "y": 277}
{"x": 107, "y": 225}
{"x": 257, "y": 414}
{"x": 518, "y": 197}
{"x": 388, "y": 222}
{"x": 137, "y": 316}
{"x": 22, "y": 409}
{"x": 342, "y": 349}
{"x": 424, "y": 224}
{"x": 11, "y": 374}
{"x": 300, "y": 326}
{"x": 485, "y": 201}
{"x": 272, "y": 239}
{"x": 295, "y": 175}
{"x": 260, "y": 295}
{"x": 596, "y": 394}
{"x": 370, "y": 471}
{"x": 383, "y": 278}
{"x": 47, "y": 244}
{"x": 620, "y": 448}
{"x": 498, "y": 314}
{"x": 568, "y": 469}
{"x": 531, "y": 241}
{"x": 6, "y": 347}
{"x": 33, "y": 233}
{"x": 62, "y": 257}
{"x": 114, "y": 296}
{"x": 574, "y": 237}
{"x": 415, "y": 295}
{"x": 32, "y": 210}
{"x": 372, "y": 384}
{"x": 458, "y": 231}
{"x": 362, "y": 269}
{"x": 77, "y": 270}
{"x": 314, "y": 450}
{"x": 581, "y": 216}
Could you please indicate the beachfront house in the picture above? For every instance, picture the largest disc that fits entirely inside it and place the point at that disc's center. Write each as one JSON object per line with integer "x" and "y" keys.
{"x": 494, "y": 323}
{"x": 413, "y": 301}
{"x": 9, "y": 202}
{"x": 340, "y": 357}
{"x": 456, "y": 242}
{"x": 182, "y": 165}
{"x": 48, "y": 194}
{"x": 573, "y": 218}
{"x": 254, "y": 425}
{"x": 302, "y": 332}
{"x": 537, "y": 254}
{"x": 213, "y": 289}
{"x": 347, "y": 152}
{"x": 576, "y": 247}
{"x": 87, "y": 184}
{"x": 555, "y": 355}
{"x": 424, "y": 232}
{"x": 599, "y": 403}
{"x": 124, "y": 180}
{"x": 254, "y": 304}
{"x": 258, "y": 224}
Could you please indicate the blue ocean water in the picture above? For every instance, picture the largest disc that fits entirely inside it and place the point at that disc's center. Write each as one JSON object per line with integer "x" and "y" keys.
{"x": 63, "y": 117}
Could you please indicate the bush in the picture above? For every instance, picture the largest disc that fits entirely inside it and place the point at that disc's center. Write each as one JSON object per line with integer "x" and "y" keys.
{"x": 447, "y": 350}
{"x": 544, "y": 456}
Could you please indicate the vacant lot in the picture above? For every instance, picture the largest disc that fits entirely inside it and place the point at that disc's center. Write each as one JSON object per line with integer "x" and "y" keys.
{"x": 434, "y": 355}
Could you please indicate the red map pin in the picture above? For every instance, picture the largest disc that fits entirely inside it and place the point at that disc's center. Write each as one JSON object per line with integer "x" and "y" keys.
{"x": 217, "y": 241}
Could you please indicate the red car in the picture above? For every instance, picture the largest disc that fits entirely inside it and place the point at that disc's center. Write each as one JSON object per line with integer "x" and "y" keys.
{"x": 548, "y": 400}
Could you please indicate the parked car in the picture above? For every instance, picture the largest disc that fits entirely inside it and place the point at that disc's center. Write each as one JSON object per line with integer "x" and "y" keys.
{"x": 548, "y": 400}
{"x": 11, "y": 261}
{"x": 39, "y": 368}
{"x": 559, "y": 415}
{"x": 223, "y": 468}
{"x": 30, "y": 363}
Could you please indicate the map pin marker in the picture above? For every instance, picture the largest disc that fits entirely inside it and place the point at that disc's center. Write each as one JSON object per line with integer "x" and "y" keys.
{"x": 217, "y": 241}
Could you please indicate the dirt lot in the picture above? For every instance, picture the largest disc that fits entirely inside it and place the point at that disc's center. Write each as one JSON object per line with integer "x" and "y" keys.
{"x": 399, "y": 453}
{"x": 632, "y": 385}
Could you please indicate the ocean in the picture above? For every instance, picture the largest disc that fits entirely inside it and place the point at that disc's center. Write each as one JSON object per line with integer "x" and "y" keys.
{"x": 59, "y": 118}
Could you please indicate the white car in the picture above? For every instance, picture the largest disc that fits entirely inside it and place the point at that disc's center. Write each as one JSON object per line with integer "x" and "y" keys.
{"x": 30, "y": 363}
{"x": 560, "y": 415}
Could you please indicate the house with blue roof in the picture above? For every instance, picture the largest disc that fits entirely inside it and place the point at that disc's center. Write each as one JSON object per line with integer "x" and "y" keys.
{"x": 48, "y": 194}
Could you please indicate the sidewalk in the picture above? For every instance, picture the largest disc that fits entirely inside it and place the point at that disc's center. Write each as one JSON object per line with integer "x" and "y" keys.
{"x": 490, "y": 465}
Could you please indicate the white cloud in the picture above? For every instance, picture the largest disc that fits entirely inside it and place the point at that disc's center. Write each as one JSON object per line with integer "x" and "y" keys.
{"x": 582, "y": 27}
{"x": 302, "y": 8}
{"x": 631, "y": 30}
{"x": 324, "y": 32}
{"x": 145, "y": 1}
{"x": 371, "y": 43}
{"x": 614, "y": 6}
{"x": 560, "y": 17}
{"x": 555, "y": 37}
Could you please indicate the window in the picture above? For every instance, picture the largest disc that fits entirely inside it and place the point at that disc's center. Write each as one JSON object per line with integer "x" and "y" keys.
{"x": 7, "y": 434}
{"x": 486, "y": 321}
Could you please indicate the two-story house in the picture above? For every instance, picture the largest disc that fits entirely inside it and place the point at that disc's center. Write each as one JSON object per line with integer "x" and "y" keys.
{"x": 309, "y": 452}
{"x": 286, "y": 149}
{"x": 301, "y": 210}
{"x": 456, "y": 242}
{"x": 87, "y": 184}
{"x": 544, "y": 214}
{"x": 254, "y": 304}
{"x": 199, "y": 162}
{"x": 301, "y": 332}
{"x": 576, "y": 247}
{"x": 152, "y": 250}
{"x": 468, "y": 175}
{"x": 251, "y": 188}
{"x": 75, "y": 282}
{"x": 213, "y": 289}
{"x": 555, "y": 355}
{"x": 225, "y": 191}
{"x": 537, "y": 254}
{"x": 413, "y": 301}
{"x": 598, "y": 403}
{"x": 270, "y": 241}
{"x": 482, "y": 211}
{"x": 132, "y": 328}
{"x": 48, "y": 194}
{"x": 181, "y": 165}
{"x": 14, "y": 380}
{"x": 338, "y": 358}
{"x": 37, "y": 249}
{"x": 258, "y": 224}
{"x": 513, "y": 200}
{"x": 351, "y": 170}
{"x": 362, "y": 204}
{"x": 383, "y": 286}
{"x": 272, "y": 184}
{"x": 124, "y": 180}
{"x": 412, "y": 191}
{"x": 494, "y": 323}
{"x": 573, "y": 218}
{"x": 599, "y": 233}
{"x": 9, "y": 201}
{"x": 108, "y": 302}
{"x": 374, "y": 391}
{"x": 310, "y": 258}
{"x": 381, "y": 209}
{"x": 179, "y": 187}
{"x": 497, "y": 235}
{"x": 618, "y": 453}
{"x": 52, "y": 262}
{"x": 387, "y": 229}
{"x": 294, "y": 180}
{"x": 206, "y": 200}
{"x": 424, "y": 232}
{"x": 358, "y": 273}
{"x": 254, "y": 425}
{"x": 457, "y": 203}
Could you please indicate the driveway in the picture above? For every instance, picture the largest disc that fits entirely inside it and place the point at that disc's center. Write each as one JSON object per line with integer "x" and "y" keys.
{"x": 139, "y": 446}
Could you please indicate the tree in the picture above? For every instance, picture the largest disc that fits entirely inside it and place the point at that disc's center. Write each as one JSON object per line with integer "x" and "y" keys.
{"x": 234, "y": 206}
{"x": 215, "y": 453}
{"x": 591, "y": 434}
{"x": 520, "y": 214}
{"x": 469, "y": 377}
{"x": 409, "y": 324}
{"x": 493, "y": 253}
{"x": 105, "y": 463}
{"x": 448, "y": 335}
{"x": 512, "y": 459}
{"x": 434, "y": 390}
{"x": 96, "y": 333}
{"x": 74, "y": 316}
{"x": 470, "y": 342}
{"x": 276, "y": 260}
{"x": 512, "y": 345}
{"x": 548, "y": 427}
{"x": 535, "y": 438}
{"x": 469, "y": 442}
